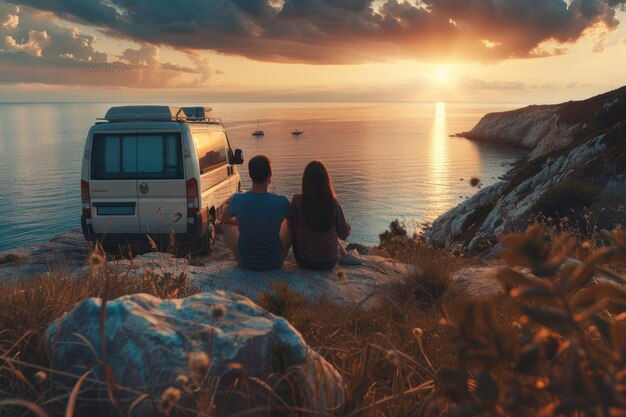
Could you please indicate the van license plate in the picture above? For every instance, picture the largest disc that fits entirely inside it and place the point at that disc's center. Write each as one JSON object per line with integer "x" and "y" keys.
{"x": 116, "y": 211}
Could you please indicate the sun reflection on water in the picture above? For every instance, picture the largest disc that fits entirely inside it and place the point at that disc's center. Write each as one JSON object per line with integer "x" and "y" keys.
{"x": 438, "y": 173}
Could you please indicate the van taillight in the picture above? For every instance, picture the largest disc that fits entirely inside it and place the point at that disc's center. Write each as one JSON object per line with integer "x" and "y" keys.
{"x": 193, "y": 202}
{"x": 85, "y": 199}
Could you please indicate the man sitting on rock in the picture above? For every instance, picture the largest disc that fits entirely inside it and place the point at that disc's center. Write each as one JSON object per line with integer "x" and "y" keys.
{"x": 255, "y": 222}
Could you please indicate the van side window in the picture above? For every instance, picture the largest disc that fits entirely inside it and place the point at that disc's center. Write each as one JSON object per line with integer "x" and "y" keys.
{"x": 211, "y": 150}
{"x": 146, "y": 156}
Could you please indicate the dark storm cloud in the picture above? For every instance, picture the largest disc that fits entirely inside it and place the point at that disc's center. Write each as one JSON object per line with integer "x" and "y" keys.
{"x": 346, "y": 31}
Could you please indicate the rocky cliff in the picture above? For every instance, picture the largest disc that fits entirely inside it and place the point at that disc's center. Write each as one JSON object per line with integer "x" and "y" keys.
{"x": 577, "y": 162}
{"x": 531, "y": 127}
{"x": 543, "y": 129}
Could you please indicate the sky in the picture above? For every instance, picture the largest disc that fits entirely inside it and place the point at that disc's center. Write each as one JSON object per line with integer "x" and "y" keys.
{"x": 536, "y": 51}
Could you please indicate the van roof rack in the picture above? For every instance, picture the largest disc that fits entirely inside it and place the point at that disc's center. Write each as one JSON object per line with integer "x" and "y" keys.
{"x": 160, "y": 114}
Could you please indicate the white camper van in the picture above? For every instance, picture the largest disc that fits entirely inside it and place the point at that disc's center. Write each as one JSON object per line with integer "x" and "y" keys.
{"x": 157, "y": 171}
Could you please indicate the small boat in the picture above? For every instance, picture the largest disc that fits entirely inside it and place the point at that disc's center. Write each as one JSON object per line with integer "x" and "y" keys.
{"x": 297, "y": 132}
{"x": 258, "y": 132}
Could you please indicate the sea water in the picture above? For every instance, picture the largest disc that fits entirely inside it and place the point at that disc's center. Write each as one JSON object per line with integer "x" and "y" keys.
{"x": 387, "y": 160}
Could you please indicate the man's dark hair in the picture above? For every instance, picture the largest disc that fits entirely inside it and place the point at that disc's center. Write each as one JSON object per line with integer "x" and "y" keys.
{"x": 259, "y": 168}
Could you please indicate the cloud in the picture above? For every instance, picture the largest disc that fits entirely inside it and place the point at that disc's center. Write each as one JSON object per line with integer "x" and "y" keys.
{"x": 9, "y": 16}
{"x": 33, "y": 49}
{"x": 347, "y": 31}
{"x": 32, "y": 46}
{"x": 576, "y": 84}
{"x": 467, "y": 83}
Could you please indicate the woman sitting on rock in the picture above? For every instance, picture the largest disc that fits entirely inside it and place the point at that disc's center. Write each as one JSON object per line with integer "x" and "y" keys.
{"x": 318, "y": 222}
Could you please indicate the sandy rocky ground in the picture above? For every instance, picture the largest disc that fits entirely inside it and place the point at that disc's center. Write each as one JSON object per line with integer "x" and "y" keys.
{"x": 68, "y": 251}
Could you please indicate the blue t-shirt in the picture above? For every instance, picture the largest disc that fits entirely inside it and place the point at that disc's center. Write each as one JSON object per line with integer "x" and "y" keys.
{"x": 259, "y": 217}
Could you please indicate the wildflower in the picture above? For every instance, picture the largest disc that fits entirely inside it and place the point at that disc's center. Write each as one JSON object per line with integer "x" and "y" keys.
{"x": 182, "y": 379}
{"x": 169, "y": 398}
{"x": 41, "y": 376}
{"x": 541, "y": 383}
{"x": 393, "y": 357}
{"x": 218, "y": 311}
{"x": 199, "y": 362}
{"x": 153, "y": 244}
{"x": 95, "y": 259}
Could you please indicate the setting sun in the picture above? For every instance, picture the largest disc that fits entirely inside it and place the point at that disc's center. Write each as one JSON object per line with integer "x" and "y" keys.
{"x": 443, "y": 76}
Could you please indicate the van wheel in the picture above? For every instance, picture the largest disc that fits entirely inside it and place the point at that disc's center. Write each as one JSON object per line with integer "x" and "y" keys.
{"x": 208, "y": 242}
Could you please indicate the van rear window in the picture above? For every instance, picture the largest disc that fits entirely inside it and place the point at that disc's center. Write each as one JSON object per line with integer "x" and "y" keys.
{"x": 142, "y": 156}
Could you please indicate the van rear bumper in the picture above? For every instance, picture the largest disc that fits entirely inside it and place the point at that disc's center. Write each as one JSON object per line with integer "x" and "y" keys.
{"x": 195, "y": 230}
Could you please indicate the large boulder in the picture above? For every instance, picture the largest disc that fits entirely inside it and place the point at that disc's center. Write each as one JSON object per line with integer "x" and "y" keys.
{"x": 183, "y": 351}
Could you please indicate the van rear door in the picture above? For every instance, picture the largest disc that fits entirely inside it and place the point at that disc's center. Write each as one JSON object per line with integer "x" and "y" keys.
{"x": 113, "y": 184}
{"x": 160, "y": 187}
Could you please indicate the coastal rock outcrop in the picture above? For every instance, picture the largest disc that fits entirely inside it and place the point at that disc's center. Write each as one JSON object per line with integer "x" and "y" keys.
{"x": 68, "y": 253}
{"x": 577, "y": 163}
{"x": 183, "y": 352}
{"x": 546, "y": 128}
{"x": 533, "y": 127}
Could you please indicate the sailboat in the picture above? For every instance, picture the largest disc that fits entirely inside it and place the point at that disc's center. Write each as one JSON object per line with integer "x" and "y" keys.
{"x": 258, "y": 132}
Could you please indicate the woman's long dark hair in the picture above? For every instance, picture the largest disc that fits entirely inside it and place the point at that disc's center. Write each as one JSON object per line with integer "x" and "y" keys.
{"x": 318, "y": 197}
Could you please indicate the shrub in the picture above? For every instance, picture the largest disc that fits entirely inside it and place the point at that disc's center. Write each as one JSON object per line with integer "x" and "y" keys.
{"x": 396, "y": 231}
{"x": 563, "y": 356}
{"x": 395, "y": 242}
{"x": 563, "y": 198}
{"x": 12, "y": 258}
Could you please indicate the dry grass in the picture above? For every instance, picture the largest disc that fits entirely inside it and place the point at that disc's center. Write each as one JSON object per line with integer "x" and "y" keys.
{"x": 378, "y": 351}
{"x": 420, "y": 350}
{"x": 28, "y": 306}
{"x": 430, "y": 282}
